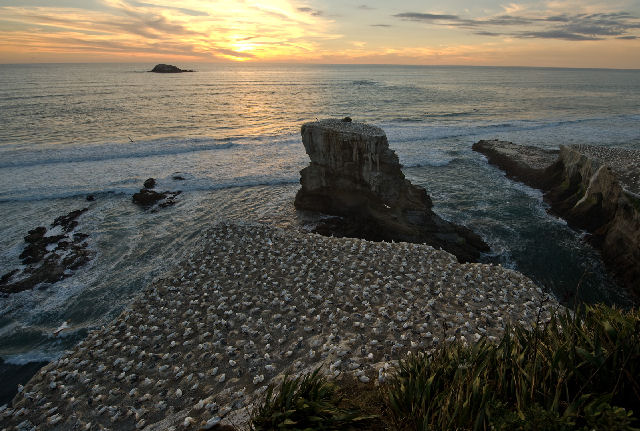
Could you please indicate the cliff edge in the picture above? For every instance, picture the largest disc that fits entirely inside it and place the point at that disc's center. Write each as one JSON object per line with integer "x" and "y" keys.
{"x": 354, "y": 174}
{"x": 593, "y": 188}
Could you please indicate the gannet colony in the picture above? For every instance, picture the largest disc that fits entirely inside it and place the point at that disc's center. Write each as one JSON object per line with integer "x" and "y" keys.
{"x": 250, "y": 303}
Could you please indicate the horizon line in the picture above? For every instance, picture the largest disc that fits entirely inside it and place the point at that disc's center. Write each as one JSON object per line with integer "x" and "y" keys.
{"x": 285, "y": 63}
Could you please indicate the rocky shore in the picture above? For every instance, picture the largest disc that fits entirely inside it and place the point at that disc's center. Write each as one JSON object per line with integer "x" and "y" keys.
{"x": 354, "y": 174}
{"x": 593, "y": 187}
{"x": 250, "y": 303}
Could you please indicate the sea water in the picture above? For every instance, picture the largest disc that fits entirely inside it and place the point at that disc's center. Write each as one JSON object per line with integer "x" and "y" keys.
{"x": 228, "y": 137}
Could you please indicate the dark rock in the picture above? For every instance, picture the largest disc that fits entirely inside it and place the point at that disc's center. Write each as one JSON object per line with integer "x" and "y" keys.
{"x": 149, "y": 183}
{"x": 347, "y": 120}
{"x": 522, "y": 163}
{"x": 170, "y": 199}
{"x": 146, "y": 197}
{"x": 178, "y": 178}
{"x": 168, "y": 68}
{"x": 91, "y": 198}
{"x": 78, "y": 237}
{"x": 69, "y": 222}
{"x": 35, "y": 235}
{"x": 47, "y": 263}
{"x": 35, "y": 251}
{"x": 354, "y": 174}
{"x": 5, "y": 278}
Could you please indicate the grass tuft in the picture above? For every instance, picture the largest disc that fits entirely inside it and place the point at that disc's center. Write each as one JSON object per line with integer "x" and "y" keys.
{"x": 308, "y": 402}
{"x": 578, "y": 371}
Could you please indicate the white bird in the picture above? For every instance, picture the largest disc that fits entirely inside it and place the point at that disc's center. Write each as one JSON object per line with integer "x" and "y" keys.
{"x": 65, "y": 325}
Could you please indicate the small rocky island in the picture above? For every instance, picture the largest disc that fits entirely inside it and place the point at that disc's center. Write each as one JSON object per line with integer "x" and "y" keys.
{"x": 592, "y": 187}
{"x": 168, "y": 68}
{"x": 353, "y": 174}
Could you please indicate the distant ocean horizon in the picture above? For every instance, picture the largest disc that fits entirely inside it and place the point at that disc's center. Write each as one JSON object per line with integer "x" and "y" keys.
{"x": 185, "y": 65}
{"x": 231, "y": 134}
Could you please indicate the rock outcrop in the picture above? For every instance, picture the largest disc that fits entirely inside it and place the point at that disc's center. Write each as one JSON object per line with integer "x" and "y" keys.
{"x": 354, "y": 174}
{"x": 49, "y": 256}
{"x": 168, "y": 68}
{"x": 583, "y": 186}
{"x": 148, "y": 198}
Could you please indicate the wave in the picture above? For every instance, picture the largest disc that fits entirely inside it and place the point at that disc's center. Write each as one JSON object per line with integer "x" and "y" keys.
{"x": 32, "y": 356}
{"x": 402, "y": 133}
{"x": 107, "y": 152}
{"x": 435, "y": 115}
{"x": 364, "y": 82}
{"x": 429, "y": 162}
{"x": 128, "y": 188}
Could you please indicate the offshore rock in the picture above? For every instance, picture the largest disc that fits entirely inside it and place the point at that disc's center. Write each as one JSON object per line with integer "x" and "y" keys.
{"x": 354, "y": 174}
{"x": 168, "y": 68}
{"x": 49, "y": 256}
{"x": 593, "y": 188}
{"x": 149, "y": 183}
{"x": 147, "y": 198}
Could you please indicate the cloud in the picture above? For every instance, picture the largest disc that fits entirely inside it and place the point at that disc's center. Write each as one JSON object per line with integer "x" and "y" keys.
{"x": 429, "y": 17}
{"x": 310, "y": 11}
{"x": 555, "y": 34}
{"x": 190, "y": 12}
{"x": 198, "y": 29}
{"x": 366, "y": 7}
{"x": 574, "y": 27}
{"x": 380, "y": 25}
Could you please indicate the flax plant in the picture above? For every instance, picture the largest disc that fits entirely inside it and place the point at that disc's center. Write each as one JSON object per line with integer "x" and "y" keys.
{"x": 580, "y": 370}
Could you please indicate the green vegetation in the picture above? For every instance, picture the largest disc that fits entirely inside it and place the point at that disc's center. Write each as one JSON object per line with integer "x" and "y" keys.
{"x": 306, "y": 403}
{"x": 580, "y": 371}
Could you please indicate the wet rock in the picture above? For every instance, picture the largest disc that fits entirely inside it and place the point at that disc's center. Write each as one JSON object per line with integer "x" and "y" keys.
{"x": 35, "y": 235}
{"x": 151, "y": 199}
{"x": 354, "y": 174}
{"x": 90, "y": 198}
{"x": 69, "y": 222}
{"x": 168, "y": 68}
{"x": 148, "y": 198}
{"x": 49, "y": 258}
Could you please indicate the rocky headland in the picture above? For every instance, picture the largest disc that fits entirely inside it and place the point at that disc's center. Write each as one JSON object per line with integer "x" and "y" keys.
{"x": 592, "y": 187}
{"x": 168, "y": 68}
{"x": 355, "y": 175}
{"x": 250, "y": 303}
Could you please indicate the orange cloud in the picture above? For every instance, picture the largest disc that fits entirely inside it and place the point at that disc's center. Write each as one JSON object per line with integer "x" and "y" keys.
{"x": 200, "y": 30}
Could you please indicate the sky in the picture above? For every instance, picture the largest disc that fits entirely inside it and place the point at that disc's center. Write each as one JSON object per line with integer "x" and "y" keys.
{"x": 548, "y": 33}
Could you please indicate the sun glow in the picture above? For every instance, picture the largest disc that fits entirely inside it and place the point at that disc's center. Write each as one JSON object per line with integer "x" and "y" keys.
{"x": 197, "y": 29}
{"x": 526, "y": 33}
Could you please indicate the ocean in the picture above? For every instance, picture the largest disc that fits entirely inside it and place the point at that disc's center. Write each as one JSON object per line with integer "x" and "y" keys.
{"x": 228, "y": 137}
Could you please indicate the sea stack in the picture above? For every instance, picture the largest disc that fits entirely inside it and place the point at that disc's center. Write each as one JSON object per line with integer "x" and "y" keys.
{"x": 354, "y": 174}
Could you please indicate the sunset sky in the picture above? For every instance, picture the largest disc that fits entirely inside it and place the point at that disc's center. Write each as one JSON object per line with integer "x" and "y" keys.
{"x": 562, "y": 33}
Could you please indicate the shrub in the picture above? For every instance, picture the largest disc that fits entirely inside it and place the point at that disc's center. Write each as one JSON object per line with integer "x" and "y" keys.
{"x": 579, "y": 371}
{"x": 308, "y": 402}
